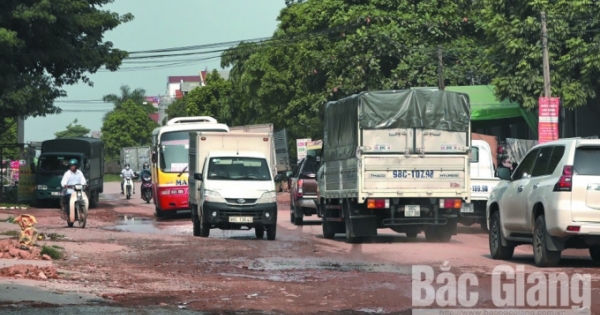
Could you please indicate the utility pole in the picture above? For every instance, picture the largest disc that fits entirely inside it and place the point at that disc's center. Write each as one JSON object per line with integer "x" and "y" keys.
{"x": 440, "y": 69}
{"x": 546, "y": 61}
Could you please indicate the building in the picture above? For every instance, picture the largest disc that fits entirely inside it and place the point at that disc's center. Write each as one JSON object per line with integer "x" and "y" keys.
{"x": 177, "y": 86}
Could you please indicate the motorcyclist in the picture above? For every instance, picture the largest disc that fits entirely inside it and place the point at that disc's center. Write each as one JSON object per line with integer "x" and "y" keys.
{"x": 145, "y": 173}
{"x": 127, "y": 171}
{"x": 72, "y": 177}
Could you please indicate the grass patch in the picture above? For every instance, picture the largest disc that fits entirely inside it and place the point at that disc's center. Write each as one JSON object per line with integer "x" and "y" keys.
{"x": 10, "y": 233}
{"x": 58, "y": 247}
{"x": 54, "y": 253}
{"x": 55, "y": 236}
{"x": 112, "y": 178}
{"x": 10, "y": 220}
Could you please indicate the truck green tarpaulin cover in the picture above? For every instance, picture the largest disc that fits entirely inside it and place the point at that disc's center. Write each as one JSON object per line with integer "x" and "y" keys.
{"x": 426, "y": 109}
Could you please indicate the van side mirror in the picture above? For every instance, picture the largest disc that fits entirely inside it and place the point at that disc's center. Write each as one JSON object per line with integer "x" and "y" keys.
{"x": 289, "y": 174}
{"x": 198, "y": 176}
{"x": 278, "y": 178}
{"x": 504, "y": 173}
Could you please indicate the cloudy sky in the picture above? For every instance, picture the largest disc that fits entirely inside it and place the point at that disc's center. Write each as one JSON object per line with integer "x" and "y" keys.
{"x": 159, "y": 24}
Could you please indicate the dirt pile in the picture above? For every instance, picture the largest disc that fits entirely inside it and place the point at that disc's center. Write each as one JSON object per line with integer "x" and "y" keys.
{"x": 30, "y": 272}
{"x": 11, "y": 249}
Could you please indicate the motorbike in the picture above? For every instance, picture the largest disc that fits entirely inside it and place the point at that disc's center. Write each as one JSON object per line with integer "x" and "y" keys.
{"x": 78, "y": 206}
{"x": 146, "y": 187}
{"x": 128, "y": 185}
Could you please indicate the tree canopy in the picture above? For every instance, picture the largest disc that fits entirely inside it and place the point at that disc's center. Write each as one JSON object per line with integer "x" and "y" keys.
{"x": 138, "y": 96}
{"x": 46, "y": 45}
{"x": 211, "y": 100}
{"x": 513, "y": 36}
{"x": 128, "y": 126}
{"x": 73, "y": 130}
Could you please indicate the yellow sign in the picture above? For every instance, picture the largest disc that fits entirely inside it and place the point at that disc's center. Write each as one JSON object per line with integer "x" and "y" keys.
{"x": 314, "y": 145}
{"x": 26, "y": 183}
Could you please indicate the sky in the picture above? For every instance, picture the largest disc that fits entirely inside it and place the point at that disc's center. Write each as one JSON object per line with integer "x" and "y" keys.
{"x": 158, "y": 24}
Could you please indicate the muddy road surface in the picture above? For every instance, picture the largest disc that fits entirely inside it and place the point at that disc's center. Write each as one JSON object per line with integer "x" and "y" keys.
{"x": 127, "y": 258}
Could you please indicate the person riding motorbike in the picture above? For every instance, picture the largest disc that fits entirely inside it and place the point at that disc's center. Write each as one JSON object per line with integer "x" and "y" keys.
{"x": 145, "y": 173}
{"x": 127, "y": 171}
{"x": 72, "y": 177}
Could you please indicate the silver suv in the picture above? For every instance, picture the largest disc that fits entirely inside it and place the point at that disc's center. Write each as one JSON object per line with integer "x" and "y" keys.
{"x": 551, "y": 200}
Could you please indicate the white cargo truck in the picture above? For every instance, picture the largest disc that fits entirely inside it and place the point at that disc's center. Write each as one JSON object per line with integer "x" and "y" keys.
{"x": 395, "y": 159}
{"x": 231, "y": 185}
{"x": 483, "y": 181}
{"x": 281, "y": 159}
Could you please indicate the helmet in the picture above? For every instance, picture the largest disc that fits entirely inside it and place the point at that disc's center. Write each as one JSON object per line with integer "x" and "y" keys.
{"x": 146, "y": 166}
{"x": 127, "y": 166}
{"x": 72, "y": 162}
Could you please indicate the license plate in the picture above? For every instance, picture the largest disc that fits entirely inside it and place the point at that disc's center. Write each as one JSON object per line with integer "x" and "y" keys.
{"x": 418, "y": 174}
{"x": 467, "y": 208}
{"x": 412, "y": 211}
{"x": 240, "y": 219}
{"x": 56, "y": 193}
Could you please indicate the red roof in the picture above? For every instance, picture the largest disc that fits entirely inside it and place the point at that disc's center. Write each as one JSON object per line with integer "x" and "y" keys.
{"x": 154, "y": 117}
{"x": 185, "y": 78}
{"x": 178, "y": 94}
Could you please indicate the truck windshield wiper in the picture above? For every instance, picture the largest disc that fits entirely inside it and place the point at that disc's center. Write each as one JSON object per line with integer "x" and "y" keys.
{"x": 218, "y": 177}
{"x": 184, "y": 169}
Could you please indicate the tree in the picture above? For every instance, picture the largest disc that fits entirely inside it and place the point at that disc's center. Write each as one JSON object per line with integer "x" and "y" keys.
{"x": 45, "y": 46}
{"x": 73, "y": 130}
{"x": 138, "y": 96}
{"x": 176, "y": 109}
{"x": 212, "y": 99}
{"x": 513, "y": 31}
{"x": 8, "y": 138}
{"x": 128, "y": 126}
{"x": 326, "y": 50}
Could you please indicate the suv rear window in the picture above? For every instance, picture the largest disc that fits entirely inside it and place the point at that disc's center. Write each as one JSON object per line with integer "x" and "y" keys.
{"x": 586, "y": 161}
{"x": 311, "y": 165}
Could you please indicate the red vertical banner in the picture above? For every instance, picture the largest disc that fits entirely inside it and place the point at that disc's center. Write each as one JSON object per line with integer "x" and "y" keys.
{"x": 548, "y": 119}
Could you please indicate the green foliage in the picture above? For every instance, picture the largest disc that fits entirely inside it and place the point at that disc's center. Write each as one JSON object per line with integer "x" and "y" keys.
{"x": 73, "y": 130}
{"x": 513, "y": 35}
{"x": 51, "y": 251}
{"x": 326, "y": 50}
{"x": 138, "y": 96}
{"x": 8, "y": 137}
{"x": 45, "y": 45}
{"x": 212, "y": 99}
{"x": 176, "y": 109}
{"x": 127, "y": 126}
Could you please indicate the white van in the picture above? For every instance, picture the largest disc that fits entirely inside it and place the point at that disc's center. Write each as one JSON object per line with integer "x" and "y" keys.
{"x": 232, "y": 183}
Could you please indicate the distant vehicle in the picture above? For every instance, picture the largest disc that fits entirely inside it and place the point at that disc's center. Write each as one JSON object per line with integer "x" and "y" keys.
{"x": 170, "y": 157}
{"x": 54, "y": 162}
{"x": 551, "y": 200}
{"x": 303, "y": 190}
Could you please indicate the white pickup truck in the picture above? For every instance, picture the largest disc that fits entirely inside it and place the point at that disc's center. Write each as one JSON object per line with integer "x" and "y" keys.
{"x": 483, "y": 181}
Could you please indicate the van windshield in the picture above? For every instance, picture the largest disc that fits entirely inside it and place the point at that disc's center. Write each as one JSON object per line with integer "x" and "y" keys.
{"x": 238, "y": 168}
{"x": 586, "y": 161}
{"x": 51, "y": 163}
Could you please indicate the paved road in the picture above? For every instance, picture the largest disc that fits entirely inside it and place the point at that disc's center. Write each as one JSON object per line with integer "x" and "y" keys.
{"x": 312, "y": 273}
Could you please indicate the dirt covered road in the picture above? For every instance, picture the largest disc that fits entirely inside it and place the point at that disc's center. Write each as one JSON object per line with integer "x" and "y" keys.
{"x": 126, "y": 257}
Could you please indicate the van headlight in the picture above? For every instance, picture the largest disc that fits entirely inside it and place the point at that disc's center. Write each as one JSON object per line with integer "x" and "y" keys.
{"x": 213, "y": 196}
{"x": 268, "y": 197}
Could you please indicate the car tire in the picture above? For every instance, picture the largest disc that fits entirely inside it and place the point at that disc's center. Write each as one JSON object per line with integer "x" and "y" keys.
{"x": 595, "y": 253}
{"x": 271, "y": 232}
{"x": 411, "y": 234}
{"x": 542, "y": 256}
{"x": 497, "y": 250}
{"x": 259, "y": 232}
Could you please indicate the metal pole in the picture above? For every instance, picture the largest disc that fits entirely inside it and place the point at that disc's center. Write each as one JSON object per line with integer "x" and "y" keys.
{"x": 546, "y": 61}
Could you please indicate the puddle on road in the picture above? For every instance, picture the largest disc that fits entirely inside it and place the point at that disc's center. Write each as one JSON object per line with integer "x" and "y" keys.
{"x": 147, "y": 226}
{"x": 295, "y": 264}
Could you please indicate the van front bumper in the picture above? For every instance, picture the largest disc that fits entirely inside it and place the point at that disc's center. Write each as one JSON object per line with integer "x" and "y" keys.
{"x": 253, "y": 215}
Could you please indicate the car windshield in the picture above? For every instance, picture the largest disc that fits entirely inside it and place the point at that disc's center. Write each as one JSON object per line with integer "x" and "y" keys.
{"x": 50, "y": 163}
{"x": 238, "y": 168}
{"x": 174, "y": 150}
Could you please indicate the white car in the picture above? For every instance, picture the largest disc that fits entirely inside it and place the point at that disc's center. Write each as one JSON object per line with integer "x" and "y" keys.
{"x": 551, "y": 200}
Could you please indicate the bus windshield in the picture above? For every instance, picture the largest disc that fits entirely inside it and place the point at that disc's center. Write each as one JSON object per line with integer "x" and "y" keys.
{"x": 174, "y": 150}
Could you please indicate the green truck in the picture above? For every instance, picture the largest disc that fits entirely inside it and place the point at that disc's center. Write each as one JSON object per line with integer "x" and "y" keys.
{"x": 53, "y": 163}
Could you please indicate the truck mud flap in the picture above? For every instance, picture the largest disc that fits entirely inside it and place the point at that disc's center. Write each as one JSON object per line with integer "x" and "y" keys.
{"x": 415, "y": 221}
{"x": 362, "y": 226}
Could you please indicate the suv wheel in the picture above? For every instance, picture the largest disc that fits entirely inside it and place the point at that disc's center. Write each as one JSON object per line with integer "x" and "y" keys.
{"x": 595, "y": 253}
{"x": 542, "y": 256}
{"x": 497, "y": 250}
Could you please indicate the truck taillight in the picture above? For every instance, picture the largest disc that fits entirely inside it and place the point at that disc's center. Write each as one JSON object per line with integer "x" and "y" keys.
{"x": 299, "y": 191}
{"x": 450, "y": 203}
{"x": 565, "y": 183}
{"x": 378, "y": 203}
